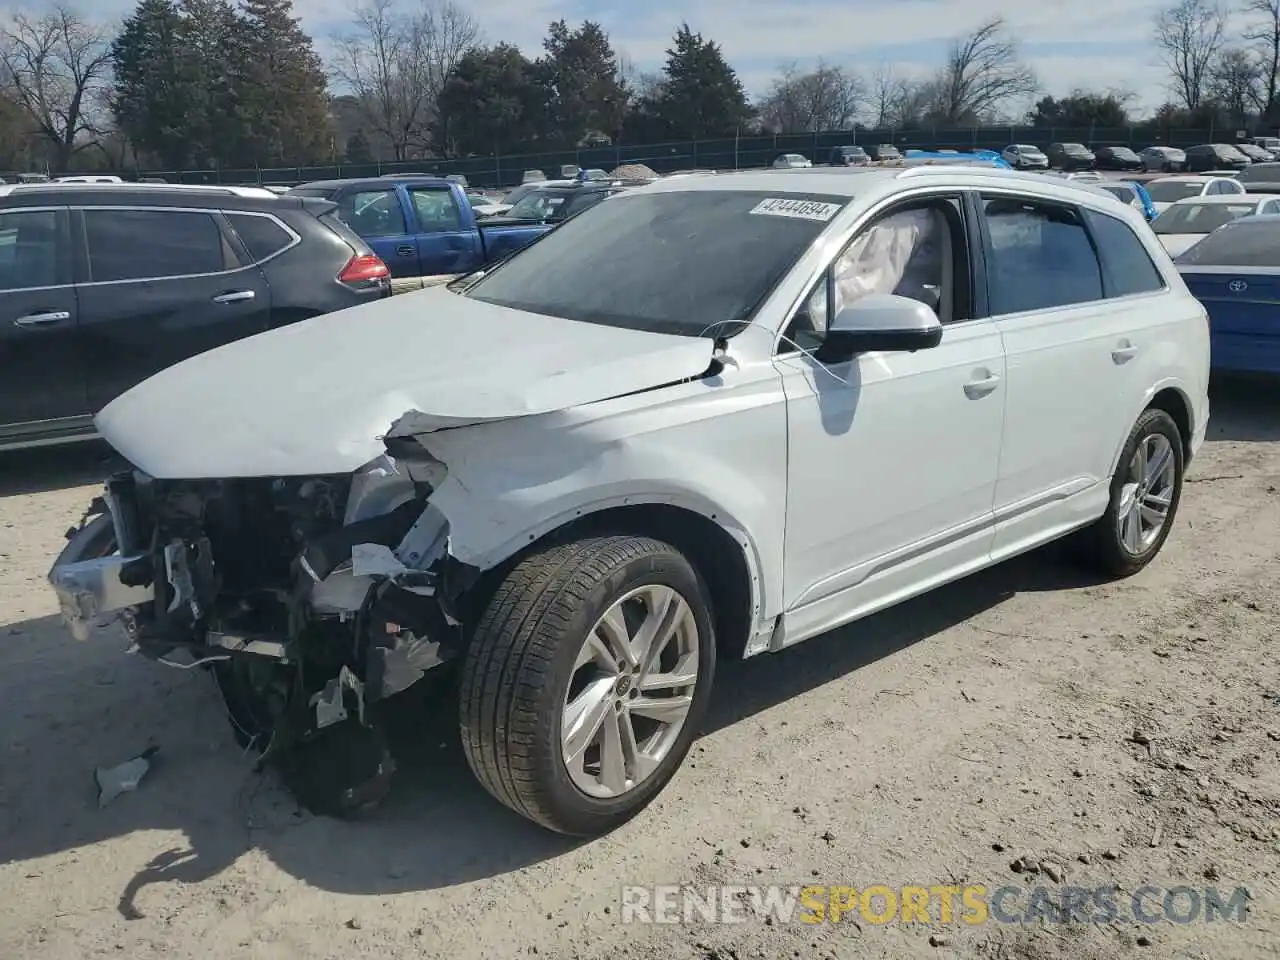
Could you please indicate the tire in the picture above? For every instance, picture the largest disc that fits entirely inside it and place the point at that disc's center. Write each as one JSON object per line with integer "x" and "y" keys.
{"x": 1102, "y": 545}
{"x": 521, "y": 665}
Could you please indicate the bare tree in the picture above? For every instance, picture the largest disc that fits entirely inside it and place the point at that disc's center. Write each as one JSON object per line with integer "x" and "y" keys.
{"x": 1235, "y": 83}
{"x": 1264, "y": 32}
{"x": 826, "y": 98}
{"x": 983, "y": 71}
{"x": 887, "y": 95}
{"x": 1189, "y": 36}
{"x": 56, "y": 66}
{"x": 396, "y": 64}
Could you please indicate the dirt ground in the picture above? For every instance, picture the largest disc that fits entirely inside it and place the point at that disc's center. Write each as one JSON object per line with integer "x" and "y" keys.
{"x": 1114, "y": 735}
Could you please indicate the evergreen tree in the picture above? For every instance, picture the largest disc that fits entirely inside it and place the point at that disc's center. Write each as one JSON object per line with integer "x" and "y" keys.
{"x": 212, "y": 50}
{"x": 701, "y": 95}
{"x": 493, "y": 100}
{"x": 584, "y": 87}
{"x": 151, "y": 98}
{"x": 284, "y": 101}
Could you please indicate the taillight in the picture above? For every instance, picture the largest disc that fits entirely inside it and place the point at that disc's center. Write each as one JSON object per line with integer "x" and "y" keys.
{"x": 364, "y": 270}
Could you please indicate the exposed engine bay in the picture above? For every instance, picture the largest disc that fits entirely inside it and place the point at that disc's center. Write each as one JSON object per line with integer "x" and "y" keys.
{"x": 310, "y": 599}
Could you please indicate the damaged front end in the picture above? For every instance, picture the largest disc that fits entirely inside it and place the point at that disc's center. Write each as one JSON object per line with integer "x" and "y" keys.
{"x": 311, "y": 599}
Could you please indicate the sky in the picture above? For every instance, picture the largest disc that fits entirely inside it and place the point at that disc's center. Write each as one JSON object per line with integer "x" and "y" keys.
{"x": 1070, "y": 44}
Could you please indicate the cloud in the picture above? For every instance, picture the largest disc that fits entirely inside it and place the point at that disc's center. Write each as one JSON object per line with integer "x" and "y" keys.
{"x": 1070, "y": 44}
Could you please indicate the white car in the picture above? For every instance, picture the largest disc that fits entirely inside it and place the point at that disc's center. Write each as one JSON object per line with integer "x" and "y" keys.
{"x": 1184, "y": 224}
{"x": 1166, "y": 190}
{"x": 792, "y": 161}
{"x": 711, "y": 418}
{"x": 89, "y": 178}
{"x": 1023, "y": 156}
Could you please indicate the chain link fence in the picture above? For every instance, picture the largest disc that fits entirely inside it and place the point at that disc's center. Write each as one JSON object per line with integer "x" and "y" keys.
{"x": 731, "y": 153}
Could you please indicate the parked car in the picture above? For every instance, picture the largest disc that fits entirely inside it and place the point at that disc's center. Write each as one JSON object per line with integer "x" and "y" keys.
{"x": 1235, "y": 272}
{"x": 1117, "y": 158}
{"x": 1255, "y": 153}
{"x": 673, "y": 445}
{"x": 1215, "y": 156}
{"x": 1167, "y": 190}
{"x": 792, "y": 161}
{"x": 486, "y": 206}
{"x": 421, "y": 226}
{"x": 533, "y": 176}
{"x": 884, "y": 153}
{"x": 1163, "y": 159}
{"x": 1024, "y": 156}
{"x": 1070, "y": 156}
{"x": 550, "y": 204}
{"x": 1260, "y": 177}
{"x": 1132, "y": 193}
{"x": 89, "y": 178}
{"x": 103, "y": 285}
{"x": 851, "y": 156}
{"x": 1187, "y": 222}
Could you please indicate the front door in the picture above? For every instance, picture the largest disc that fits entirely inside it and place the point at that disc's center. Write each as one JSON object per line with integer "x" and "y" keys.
{"x": 42, "y": 383}
{"x": 446, "y": 245}
{"x": 893, "y": 457}
{"x": 380, "y": 217}
{"x": 161, "y": 286}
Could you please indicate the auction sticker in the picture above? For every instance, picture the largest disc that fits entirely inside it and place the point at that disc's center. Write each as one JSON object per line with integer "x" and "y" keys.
{"x": 796, "y": 209}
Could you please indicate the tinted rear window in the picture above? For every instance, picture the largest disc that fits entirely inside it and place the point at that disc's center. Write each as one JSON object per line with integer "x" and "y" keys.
{"x": 1168, "y": 191}
{"x": 1238, "y": 244}
{"x": 262, "y": 236}
{"x": 150, "y": 244}
{"x": 684, "y": 262}
{"x": 1200, "y": 217}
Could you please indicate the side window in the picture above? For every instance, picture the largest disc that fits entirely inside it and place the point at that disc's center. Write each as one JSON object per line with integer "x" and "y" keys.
{"x": 436, "y": 209}
{"x": 1129, "y": 268}
{"x": 1232, "y": 186}
{"x": 151, "y": 244}
{"x": 1040, "y": 256}
{"x": 262, "y": 236}
{"x": 29, "y": 250}
{"x": 917, "y": 251}
{"x": 373, "y": 213}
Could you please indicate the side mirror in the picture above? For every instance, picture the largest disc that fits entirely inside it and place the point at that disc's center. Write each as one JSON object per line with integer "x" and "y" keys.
{"x": 879, "y": 322}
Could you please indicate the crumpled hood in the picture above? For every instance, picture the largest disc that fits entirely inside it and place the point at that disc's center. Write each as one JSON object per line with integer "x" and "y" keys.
{"x": 316, "y": 397}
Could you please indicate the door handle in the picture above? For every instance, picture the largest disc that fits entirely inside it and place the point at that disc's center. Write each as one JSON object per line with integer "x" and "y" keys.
{"x": 980, "y": 388}
{"x": 40, "y": 319}
{"x": 1124, "y": 352}
{"x": 236, "y": 296}
{"x": 404, "y": 250}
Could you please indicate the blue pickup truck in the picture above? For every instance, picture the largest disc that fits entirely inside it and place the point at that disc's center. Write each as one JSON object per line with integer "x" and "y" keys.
{"x": 422, "y": 226}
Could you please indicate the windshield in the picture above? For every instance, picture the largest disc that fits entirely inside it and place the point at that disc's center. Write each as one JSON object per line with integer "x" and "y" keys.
{"x": 1074, "y": 148}
{"x": 1120, "y": 192}
{"x": 1124, "y": 153}
{"x": 1167, "y": 191}
{"x": 684, "y": 262}
{"x": 1025, "y": 148}
{"x": 1199, "y": 217}
{"x": 888, "y": 150}
{"x": 1238, "y": 244}
{"x": 540, "y": 205}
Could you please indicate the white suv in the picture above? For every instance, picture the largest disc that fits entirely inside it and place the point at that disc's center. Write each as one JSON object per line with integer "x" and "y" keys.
{"x": 717, "y": 416}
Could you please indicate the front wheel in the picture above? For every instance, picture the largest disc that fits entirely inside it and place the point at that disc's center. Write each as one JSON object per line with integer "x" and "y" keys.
{"x": 586, "y": 680}
{"x": 1145, "y": 492}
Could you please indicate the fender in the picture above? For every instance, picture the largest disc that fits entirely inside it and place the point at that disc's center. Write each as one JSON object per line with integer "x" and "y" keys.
{"x": 1166, "y": 383}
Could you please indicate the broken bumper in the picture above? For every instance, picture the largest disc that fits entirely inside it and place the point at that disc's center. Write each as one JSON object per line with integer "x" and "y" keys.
{"x": 90, "y": 587}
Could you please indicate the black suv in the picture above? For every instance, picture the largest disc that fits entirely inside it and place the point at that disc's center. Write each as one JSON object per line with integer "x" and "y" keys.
{"x": 102, "y": 285}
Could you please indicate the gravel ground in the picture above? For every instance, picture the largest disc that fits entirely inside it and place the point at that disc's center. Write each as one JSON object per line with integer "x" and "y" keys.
{"x": 1092, "y": 734}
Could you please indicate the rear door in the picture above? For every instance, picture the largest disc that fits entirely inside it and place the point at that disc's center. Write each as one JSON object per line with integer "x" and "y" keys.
{"x": 381, "y": 216}
{"x": 446, "y": 242}
{"x": 41, "y": 363}
{"x": 159, "y": 285}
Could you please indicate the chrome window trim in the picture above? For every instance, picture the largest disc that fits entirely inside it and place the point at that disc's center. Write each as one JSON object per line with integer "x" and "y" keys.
{"x": 209, "y": 211}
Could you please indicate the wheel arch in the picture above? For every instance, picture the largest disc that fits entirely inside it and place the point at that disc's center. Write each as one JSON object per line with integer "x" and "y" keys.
{"x": 1171, "y": 397}
{"x": 719, "y": 549}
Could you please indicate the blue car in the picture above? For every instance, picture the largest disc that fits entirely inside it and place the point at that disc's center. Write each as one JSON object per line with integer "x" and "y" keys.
{"x": 1235, "y": 273}
{"x": 1132, "y": 193}
{"x": 982, "y": 158}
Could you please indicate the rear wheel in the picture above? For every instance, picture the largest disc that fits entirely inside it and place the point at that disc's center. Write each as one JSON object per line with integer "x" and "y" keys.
{"x": 1145, "y": 492}
{"x": 586, "y": 680}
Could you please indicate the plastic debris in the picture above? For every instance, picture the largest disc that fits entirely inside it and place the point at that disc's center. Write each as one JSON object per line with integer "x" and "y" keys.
{"x": 122, "y": 778}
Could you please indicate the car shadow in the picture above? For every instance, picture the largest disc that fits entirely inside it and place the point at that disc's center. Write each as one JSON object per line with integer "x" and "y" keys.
{"x": 67, "y": 707}
{"x": 56, "y": 468}
{"x": 1244, "y": 408}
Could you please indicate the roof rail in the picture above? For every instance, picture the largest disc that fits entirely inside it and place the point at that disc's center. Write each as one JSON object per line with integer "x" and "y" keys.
{"x": 224, "y": 190}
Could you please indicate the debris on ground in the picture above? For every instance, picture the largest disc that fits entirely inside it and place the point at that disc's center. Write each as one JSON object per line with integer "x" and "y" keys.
{"x": 123, "y": 777}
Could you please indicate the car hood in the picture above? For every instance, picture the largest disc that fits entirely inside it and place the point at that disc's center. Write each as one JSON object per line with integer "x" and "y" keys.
{"x": 316, "y": 397}
{"x": 1176, "y": 243}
